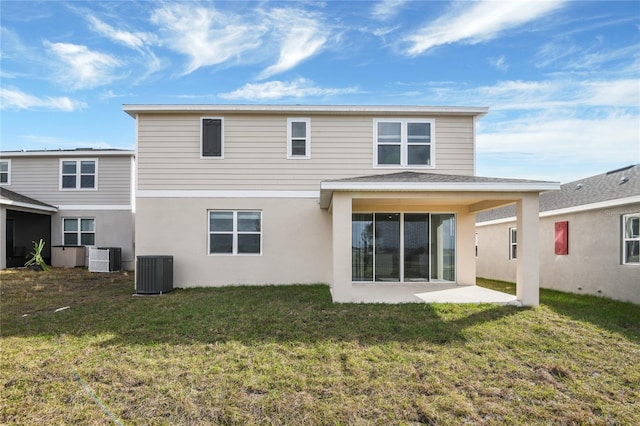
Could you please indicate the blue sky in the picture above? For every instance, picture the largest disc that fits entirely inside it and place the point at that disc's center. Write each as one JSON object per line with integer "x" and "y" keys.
{"x": 561, "y": 78}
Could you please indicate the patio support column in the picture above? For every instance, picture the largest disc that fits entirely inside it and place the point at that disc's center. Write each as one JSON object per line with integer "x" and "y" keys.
{"x": 465, "y": 249}
{"x": 341, "y": 231}
{"x": 3, "y": 237}
{"x": 528, "y": 272}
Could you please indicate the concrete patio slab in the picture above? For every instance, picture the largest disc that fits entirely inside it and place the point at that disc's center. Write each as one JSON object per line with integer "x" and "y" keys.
{"x": 428, "y": 293}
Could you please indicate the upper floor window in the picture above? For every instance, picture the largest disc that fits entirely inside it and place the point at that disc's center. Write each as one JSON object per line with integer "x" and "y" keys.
{"x": 212, "y": 137}
{"x": 298, "y": 138}
{"x": 513, "y": 243}
{"x": 631, "y": 239}
{"x": 5, "y": 172}
{"x": 78, "y": 232}
{"x": 78, "y": 174}
{"x": 404, "y": 143}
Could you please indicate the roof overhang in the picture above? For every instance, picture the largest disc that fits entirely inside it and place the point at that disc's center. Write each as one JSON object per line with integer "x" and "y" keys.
{"x": 14, "y": 201}
{"x": 327, "y": 188}
{"x": 390, "y": 110}
{"x": 28, "y": 207}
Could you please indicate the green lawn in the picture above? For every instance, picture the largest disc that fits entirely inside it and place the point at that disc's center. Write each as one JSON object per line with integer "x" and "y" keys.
{"x": 288, "y": 355}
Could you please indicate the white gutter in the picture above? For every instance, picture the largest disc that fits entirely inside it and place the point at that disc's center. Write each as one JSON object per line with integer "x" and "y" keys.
{"x": 132, "y": 110}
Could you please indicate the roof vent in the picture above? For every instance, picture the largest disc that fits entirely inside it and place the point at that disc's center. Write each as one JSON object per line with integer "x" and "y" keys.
{"x": 579, "y": 186}
{"x": 623, "y": 180}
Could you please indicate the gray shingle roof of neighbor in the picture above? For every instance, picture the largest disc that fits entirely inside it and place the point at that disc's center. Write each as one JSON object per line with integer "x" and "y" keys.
{"x": 429, "y": 178}
{"x": 6, "y": 194}
{"x": 613, "y": 185}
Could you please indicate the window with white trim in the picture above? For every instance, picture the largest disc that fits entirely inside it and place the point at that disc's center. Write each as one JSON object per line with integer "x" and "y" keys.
{"x": 403, "y": 143}
{"x": 78, "y": 231}
{"x": 78, "y": 174}
{"x": 5, "y": 172}
{"x": 298, "y": 138}
{"x": 212, "y": 137}
{"x": 631, "y": 239}
{"x": 513, "y": 243}
{"x": 235, "y": 232}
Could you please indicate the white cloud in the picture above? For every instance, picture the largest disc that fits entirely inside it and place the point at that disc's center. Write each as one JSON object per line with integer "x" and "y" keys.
{"x": 18, "y": 100}
{"x": 500, "y": 63}
{"x": 207, "y": 37}
{"x": 302, "y": 36}
{"x": 387, "y": 9}
{"x": 298, "y": 88}
{"x": 134, "y": 40}
{"x": 554, "y": 142}
{"x": 545, "y": 94}
{"x": 472, "y": 23}
{"x": 81, "y": 67}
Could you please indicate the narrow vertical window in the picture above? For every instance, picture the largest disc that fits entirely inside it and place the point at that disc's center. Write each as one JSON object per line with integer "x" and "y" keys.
{"x": 298, "y": 138}
{"x": 513, "y": 243}
{"x": 212, "y": 137}
{"x": 631, "y": 239}
{"x": 5, "y": 172}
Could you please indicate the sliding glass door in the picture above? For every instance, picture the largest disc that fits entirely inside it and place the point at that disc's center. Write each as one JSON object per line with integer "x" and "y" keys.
{"x": 403, "y": 247}
{"x": 416, "y": 247}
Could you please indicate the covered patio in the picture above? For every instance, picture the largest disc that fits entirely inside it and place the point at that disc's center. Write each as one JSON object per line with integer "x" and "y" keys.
{"x": 393, "y": 208}
{"x": 23, "y": 220}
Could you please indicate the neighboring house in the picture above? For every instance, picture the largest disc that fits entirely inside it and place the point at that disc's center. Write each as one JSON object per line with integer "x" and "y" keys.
{"x": 359, "y": 197}
{"x": 589, "y": 237}
{"x": 80, "y": 197}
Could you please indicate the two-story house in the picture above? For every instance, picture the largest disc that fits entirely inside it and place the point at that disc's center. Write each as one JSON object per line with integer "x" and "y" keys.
{"x": 81, "y": 197}
{"x": 360, "y": 197}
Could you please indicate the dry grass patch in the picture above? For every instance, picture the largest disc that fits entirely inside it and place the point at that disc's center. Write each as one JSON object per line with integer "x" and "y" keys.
{"x": 288, "y": 355}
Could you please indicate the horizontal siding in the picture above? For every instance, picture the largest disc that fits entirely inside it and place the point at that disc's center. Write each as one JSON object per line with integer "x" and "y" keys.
{"x": 39, "y": 178}
{"x": 255, "y": 152}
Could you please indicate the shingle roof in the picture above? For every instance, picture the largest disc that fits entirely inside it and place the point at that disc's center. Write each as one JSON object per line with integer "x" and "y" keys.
{"x": 14, "y": 197}
{"x": 416, "y": 177}
{"x": 614, "y": 185}
{"x": 428, "y": 182}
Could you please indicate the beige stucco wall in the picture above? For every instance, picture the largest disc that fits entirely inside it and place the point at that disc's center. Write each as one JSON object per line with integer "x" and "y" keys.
{"x": 592, "y": 266}
{"x": 296, "y": 241}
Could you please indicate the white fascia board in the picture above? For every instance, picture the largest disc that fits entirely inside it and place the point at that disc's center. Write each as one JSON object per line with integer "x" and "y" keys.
{"x": 66, "y": 154}
{"x": 132, "y": 110}
{"x": 441, "y": 186}
{"x": 152, "y": 193}
{"x": 34, "y": 207}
